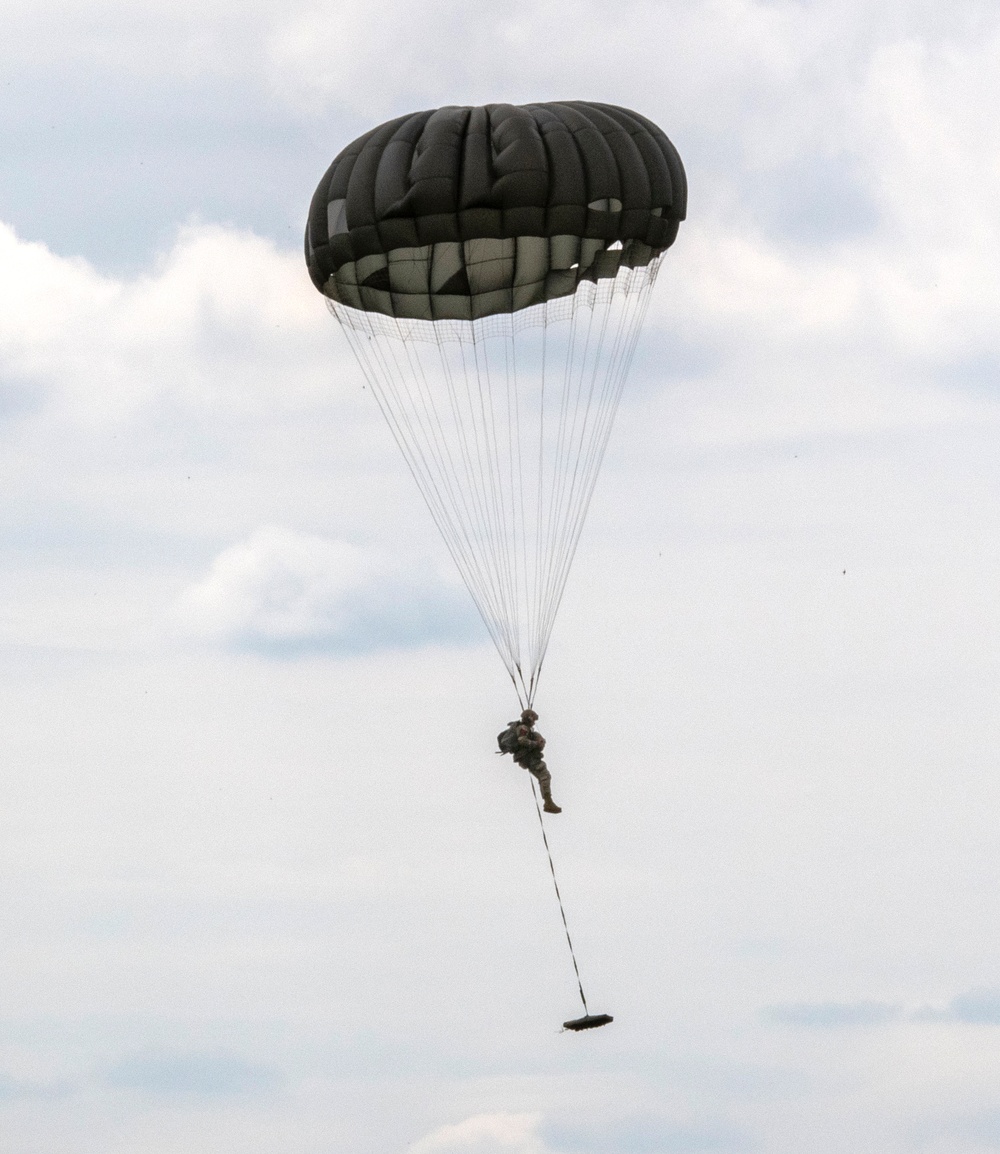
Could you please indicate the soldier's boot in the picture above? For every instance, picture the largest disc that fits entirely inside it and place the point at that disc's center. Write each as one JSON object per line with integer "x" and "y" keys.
{"x": 544, "y": 783}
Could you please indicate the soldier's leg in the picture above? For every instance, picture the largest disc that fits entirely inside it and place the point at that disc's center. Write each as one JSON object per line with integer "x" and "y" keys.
{"x": 540, "y": 772}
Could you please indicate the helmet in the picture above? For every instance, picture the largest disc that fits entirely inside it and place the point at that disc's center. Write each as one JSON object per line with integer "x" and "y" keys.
{"x": 529, "y": 716}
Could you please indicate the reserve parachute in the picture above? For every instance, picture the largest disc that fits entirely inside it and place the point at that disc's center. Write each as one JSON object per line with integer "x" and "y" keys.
{"x": 491, "y": 268}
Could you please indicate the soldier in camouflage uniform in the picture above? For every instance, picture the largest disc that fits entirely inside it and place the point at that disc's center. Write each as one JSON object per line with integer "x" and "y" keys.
{"x": 525, "y": 745}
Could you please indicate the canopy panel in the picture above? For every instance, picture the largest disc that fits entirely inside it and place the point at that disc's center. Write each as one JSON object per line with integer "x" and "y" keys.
{"x": 464, "y": 213}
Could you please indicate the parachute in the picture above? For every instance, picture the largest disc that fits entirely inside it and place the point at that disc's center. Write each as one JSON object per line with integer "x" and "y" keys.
{"x": 491, "y": 268}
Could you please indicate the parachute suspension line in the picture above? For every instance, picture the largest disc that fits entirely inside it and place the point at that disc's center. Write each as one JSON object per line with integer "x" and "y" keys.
{"x": 583, "y": 478}
{"x": 503, "y": 534}
{"x": 490, "y": 596}
{"x": 559, "y": 465}
{"x": 567, "y": 439}
{"x": 540, "y": 496}
{"x": 515, "y": 472}
{"x": 478, "y": 460}
{"x": 478, "y": 463}
{"x": 555, "y": 883}
{"x": 569, "y": 432}
{"x": 606, "y": 373}
{"x": 370, "y": 354}
{"x": 503, "y": 422}
{"x": 495, "y": 527}
{"x": 482, "y": 592}
{"x": 620, "y": 361}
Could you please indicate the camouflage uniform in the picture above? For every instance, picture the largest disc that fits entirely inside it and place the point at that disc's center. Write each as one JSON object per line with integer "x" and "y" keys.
{"x": 525, "y": 745}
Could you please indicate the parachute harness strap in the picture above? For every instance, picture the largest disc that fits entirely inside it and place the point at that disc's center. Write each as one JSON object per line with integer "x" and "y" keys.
{"x": 562, "y": 911}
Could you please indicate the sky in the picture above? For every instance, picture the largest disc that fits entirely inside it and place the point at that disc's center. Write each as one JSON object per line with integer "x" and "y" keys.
{"x": 264, "y": 885}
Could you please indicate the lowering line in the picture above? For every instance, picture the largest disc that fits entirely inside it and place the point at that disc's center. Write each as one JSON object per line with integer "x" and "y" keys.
{"x": 562, "y": 911}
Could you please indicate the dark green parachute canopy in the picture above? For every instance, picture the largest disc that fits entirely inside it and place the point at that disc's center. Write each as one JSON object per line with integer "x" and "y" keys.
{"x": 462, "y": 213}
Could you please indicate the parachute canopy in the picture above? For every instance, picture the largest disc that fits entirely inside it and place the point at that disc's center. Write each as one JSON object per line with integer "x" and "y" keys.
{"x": 462, "y": 213}
{"x": 491, "y": 268}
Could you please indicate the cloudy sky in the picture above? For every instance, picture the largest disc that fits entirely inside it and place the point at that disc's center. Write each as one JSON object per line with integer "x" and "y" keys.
{"x": 264, "y": 885}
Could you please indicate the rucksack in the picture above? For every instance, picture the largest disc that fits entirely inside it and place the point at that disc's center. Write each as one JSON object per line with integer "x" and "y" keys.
{"x": 508, "y": 739}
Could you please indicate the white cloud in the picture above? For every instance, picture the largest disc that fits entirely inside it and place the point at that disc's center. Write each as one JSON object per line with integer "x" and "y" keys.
{"x": 931, "y": 149}
{"x": 485, "y": 1134}
{"x": 226, "y": 322}
{"x": 223, "y": 319}
{"x": 286, "y": 591}
{"x": 390, "y": 55}
{"x": 974, "y": 1007}
{"x": 141, "y": 38}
